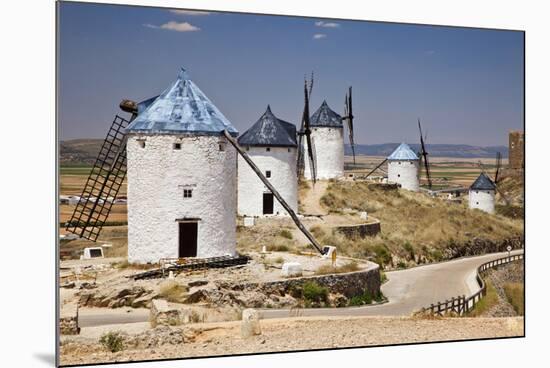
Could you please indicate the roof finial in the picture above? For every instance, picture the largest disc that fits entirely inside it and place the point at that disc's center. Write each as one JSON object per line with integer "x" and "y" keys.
{"x": 183, "y": 75}
{"x": 268, "y": 108}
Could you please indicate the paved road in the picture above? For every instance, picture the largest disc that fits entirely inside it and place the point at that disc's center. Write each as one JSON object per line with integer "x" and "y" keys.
{"x": 411, "y": 289}
{"x": 407, "y": 291}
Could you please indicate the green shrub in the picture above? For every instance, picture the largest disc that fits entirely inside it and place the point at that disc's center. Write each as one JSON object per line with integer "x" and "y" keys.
{"x": 313, "y": 292}
{"x": 278, "y": 248}
{"x": 112, "y": 340}
{"x": 366, "y": 298}
{"x": 382, "y": 255}
{"x": 285, "y": 234}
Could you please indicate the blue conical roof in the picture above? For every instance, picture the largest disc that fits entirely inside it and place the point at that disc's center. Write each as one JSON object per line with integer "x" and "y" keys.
{"x": 483, "y": 182}
{"x": 325, "y": 117}
{"x": 403, "y": 152}
{"x": 269, "y": 131}
{"x": 181, "y": 108}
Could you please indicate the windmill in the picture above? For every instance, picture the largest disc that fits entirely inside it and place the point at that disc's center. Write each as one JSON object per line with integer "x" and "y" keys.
{"x": 495, "y": 179}
{"x": 105, "y": 179}
{"x": 423, "y": 154}
{"x": 305, "y": 130}
{"x": 348, "y": 111}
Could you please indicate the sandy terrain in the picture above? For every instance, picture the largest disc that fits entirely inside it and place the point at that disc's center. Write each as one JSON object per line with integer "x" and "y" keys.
{"x": 298, "y": 334}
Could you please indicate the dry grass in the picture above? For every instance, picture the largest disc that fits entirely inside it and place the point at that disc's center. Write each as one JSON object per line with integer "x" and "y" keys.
{"x": 515, "y": 295}
{"x": 329, "y": 269}
{"x": 172, "y": 291}
{"x": 415, "y": 227}
{"x": 487, "y": 302}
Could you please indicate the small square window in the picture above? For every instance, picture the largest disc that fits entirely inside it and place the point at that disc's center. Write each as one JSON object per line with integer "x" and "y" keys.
{"x": 141, "y": 144}
{"x": 289, "y": 150}
{"x": 248, "y": 148}
{"x": 398, "y": 175}
{"x": 187, "y": 193}
{"x": 177, "y": 146}
{"x": 268, "y": 174}
{"x": 268, "y": 149}
{"x": 221, "y": 146}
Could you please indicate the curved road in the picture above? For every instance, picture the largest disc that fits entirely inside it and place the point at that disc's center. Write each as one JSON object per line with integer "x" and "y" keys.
{"x": 411, "y": 289}
{"x": 407, "y": 291}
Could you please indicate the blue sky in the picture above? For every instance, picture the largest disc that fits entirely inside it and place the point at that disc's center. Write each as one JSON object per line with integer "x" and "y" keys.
{"x": 466, "y": 85}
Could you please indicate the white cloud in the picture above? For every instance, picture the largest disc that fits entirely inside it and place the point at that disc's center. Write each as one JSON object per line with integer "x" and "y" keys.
{"x": 430, "y": 52}
{"x": 318, "y": 36}
{"x": 324, "y": 24}
{"x": 175, "y": 26}
{"x": 189, "y": 12}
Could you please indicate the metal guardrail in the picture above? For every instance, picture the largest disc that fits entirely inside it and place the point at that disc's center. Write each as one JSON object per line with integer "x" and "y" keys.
{"x": 461, "y": 305}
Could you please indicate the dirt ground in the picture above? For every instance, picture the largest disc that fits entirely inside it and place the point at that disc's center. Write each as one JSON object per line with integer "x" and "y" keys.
{"x": 280, "y": 335}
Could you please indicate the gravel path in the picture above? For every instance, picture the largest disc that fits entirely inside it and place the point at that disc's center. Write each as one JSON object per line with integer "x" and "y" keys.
{"x": 301, "y": 334}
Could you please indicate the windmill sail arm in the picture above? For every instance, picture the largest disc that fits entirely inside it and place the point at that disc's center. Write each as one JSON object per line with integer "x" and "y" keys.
{"x": 273, "y": 190}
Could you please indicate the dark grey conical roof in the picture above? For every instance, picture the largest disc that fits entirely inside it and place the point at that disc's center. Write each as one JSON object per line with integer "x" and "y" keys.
{"x": 325, "y": 117}
{"x": 269, "y": 131}
{"x": 483, "y": 182}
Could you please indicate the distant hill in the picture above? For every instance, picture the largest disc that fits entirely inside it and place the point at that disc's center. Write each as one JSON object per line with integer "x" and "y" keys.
{"x": 435, "y": 150}
{"x": 83, "y": 152}
{"x": 79, "y": 152}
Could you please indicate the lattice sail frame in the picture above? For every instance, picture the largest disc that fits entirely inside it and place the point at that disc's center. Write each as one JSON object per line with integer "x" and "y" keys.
{"x": 103, "y": 184}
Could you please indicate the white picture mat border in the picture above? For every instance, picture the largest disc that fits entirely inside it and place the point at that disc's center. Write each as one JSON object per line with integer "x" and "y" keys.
{"x": 28, "y": 180}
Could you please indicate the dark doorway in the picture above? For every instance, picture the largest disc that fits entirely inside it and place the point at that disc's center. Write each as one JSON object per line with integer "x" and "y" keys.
{"x": 268, "y": 204}
{"x": 188, "y": 239}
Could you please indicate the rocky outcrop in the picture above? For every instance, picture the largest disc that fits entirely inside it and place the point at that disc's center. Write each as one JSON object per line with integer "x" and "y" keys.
{"x": 121, "y": 296}
{"x": 359, "y": 231}
{"x": 162, "y": 314}
{"x": 68, "y": 321}
{"x": 477, "y": 246}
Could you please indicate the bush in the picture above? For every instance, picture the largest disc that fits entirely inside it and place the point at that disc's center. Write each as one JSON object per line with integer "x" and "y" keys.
{"x": 365, "y": 298}
{"x": 514, "y": 294}
{"x": 172, "y": 291}
{"x": 313, "y": 292}
{"x": 278, "y": 248}
{"x": 113, "y": 341}
{"x": 383, "y": 256}
{"x": 285, "y": 234}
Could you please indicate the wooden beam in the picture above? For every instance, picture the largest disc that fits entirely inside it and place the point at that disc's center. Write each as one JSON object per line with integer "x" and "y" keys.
{"x": 274, "y": 191}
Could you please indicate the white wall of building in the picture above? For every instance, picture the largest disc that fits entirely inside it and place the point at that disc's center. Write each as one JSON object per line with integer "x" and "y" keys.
{"x": 157, "y": 175}
{"x": 404, "y": 172}
{"x": 482, "y": 199}
{"x": 328, "y": 151}
{"x": 281, "y": 161}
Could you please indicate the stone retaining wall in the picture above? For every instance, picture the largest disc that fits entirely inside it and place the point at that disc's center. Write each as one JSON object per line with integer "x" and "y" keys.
{"x": 68, "y": 319}
{"x": 359, "y": 231}
{"x": 348, "y": 284}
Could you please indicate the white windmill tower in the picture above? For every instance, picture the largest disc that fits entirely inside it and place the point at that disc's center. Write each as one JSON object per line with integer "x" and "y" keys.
{"x": 403, "y": 166}
{"x": 271, "y": 144}
{"x": 327, "y": 140}
{"x": 482, "y": 194}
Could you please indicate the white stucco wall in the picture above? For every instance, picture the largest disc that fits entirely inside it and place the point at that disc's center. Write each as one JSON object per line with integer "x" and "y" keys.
{"x": 156, "y": 176}
{"x": 482, "y": 199}
{"x": 404, "y": 172}
{"x": 282, "y": 165}
{"x": 328, "y": 151}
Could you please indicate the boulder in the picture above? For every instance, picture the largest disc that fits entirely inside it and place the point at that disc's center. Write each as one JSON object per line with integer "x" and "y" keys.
{"x": 68, "y": 321}
{"x": 250, "y": 324}
{"x": 162, "y": 314}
